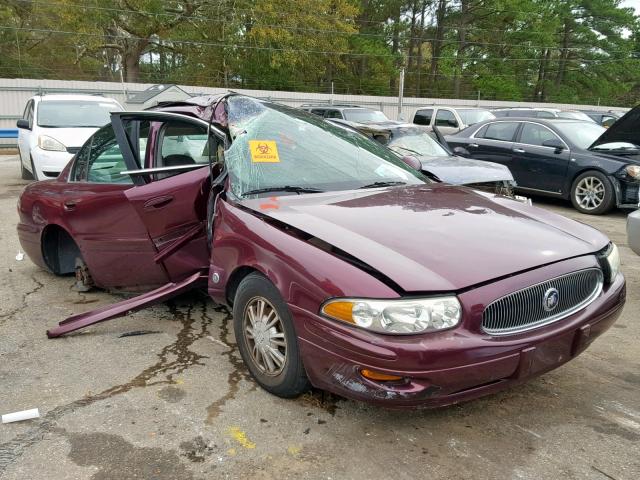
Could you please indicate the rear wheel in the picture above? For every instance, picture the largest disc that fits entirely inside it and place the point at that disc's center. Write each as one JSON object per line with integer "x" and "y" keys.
{"x": 266, "y": 337}
{"x": 592, "y": 193}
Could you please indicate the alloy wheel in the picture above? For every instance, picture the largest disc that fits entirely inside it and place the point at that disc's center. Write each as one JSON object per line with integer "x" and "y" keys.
{"x": 590, "y": 193}
{"x": 265, "y": 336}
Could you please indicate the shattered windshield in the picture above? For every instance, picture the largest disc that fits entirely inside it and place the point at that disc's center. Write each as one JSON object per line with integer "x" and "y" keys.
{"x": 281, "y": 149}
{"x": 414, "y": 141}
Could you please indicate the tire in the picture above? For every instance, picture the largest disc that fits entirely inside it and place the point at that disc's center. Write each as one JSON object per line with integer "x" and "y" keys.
{"x": 592, "y": 193}
{"x": 24, "y": 173}
{"x": 34, "y": 174}
{"x": 256, "y": 343}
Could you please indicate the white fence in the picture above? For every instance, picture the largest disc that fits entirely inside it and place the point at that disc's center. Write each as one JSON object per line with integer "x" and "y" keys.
{"x": 14, "y": 94}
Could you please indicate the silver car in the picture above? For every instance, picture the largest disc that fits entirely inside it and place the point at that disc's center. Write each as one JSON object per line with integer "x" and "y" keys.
{"x": 633, "y": 231}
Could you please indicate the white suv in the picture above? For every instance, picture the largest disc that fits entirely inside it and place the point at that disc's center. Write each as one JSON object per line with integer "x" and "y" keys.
{"x": 54, "y": 127}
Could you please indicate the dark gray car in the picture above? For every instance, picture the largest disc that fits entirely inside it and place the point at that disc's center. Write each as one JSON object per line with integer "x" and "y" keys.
{"x": 436, "y": 159}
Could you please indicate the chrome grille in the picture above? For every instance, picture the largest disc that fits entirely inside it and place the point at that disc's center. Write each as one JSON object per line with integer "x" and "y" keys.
{"x": 524, "y": 310}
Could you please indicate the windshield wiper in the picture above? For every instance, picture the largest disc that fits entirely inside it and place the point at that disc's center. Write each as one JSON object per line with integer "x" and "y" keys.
{"x": 383, "y": 184}
{"x": 286, "y": 188}
{"x": 406, "y": 149}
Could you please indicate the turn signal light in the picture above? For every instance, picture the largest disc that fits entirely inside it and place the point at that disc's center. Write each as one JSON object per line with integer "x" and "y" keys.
{"x": 379, "y": 376}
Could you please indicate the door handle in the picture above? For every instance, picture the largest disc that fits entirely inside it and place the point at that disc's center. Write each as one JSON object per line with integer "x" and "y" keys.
{"x": 474, "y": 145}
{"x": 519, "y": 150}
{"x": 69, "y": 205}
{"x": 158, "y": 202}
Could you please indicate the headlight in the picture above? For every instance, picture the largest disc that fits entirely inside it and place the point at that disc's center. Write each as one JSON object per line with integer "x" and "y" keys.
{"x": 633, "y": 171}
{"x": 48, "y": 143}
{"x": 610, "y": 262}
{"x": 400, "y": 317}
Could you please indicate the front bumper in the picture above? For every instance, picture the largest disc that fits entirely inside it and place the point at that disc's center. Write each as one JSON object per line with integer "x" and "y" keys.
{"x": 456, "y": 365}
{"x": 49, "y": 164}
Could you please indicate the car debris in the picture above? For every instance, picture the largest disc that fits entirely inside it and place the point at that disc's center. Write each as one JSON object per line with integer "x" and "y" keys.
{"x": 138, "y": 333}
{"x": 21, "y": 416}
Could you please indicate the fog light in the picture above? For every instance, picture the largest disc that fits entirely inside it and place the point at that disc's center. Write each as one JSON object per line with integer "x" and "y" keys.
{"x": 379, "y": 376}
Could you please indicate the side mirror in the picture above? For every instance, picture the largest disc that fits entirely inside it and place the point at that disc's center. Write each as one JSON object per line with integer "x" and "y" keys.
{"x": 461, "y": 151}
{"x": 554, "y": 143}
{"x": 22, "y": 123}
{"x": 452, "y": 123}
{"x": 413, "y": 162}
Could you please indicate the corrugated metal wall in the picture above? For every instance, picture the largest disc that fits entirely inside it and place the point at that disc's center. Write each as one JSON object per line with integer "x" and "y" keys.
{"x": 14, "y": 94}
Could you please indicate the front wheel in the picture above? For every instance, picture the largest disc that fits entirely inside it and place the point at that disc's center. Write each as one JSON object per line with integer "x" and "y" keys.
{"x": 592, "y": 193}
{"x": 24, "y": 173}
{"x": 266, "y": 337}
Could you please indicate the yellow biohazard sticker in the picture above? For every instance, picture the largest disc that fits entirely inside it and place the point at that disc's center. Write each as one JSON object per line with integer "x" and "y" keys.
{"x": 264, "y": 151}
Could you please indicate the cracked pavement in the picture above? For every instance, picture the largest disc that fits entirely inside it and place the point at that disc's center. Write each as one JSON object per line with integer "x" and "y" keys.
{"x": 176, "y": 403}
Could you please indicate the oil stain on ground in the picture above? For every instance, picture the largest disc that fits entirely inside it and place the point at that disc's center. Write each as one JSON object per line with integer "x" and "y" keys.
{"x": 238, "y": 372}
{"x": 116, "y": 458}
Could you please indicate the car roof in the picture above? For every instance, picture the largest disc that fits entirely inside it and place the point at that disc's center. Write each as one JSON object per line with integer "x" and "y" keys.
{"x": 70, "y": 96}
{"x": 538, "y": 120}
{"x": 336, "y": 106}
{"x": 454, "y": 107}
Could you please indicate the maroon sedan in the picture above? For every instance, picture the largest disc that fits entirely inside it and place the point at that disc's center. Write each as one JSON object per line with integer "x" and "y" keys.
{"x": 345, "y": 268}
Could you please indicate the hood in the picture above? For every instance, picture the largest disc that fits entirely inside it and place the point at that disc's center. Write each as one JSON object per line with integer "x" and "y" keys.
{"x": 69, "y": 137}
{"x": 462, "y": 171}
{"x": 626, "y": 129}
{"x": 434, "y": 238}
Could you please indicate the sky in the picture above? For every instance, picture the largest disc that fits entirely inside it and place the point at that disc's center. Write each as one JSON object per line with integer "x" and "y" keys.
{"x": 632, "y": 3}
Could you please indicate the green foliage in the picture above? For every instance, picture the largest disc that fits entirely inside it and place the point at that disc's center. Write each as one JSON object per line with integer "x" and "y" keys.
{"x": 573, "y": 51}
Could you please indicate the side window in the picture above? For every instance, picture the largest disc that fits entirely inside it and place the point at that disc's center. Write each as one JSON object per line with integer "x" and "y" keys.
{"x": 500, "y": 131}
{"x": 317, "y": 111}
{"x": 28, "y": 113}
{"x": 182, "y": 143}
{"x": 423, "y": 117}
{"x": 105, "y": 160}
{"x": 533, "y": 134}
{"x": 333, "y": 114}
{"x": 446, "y": 118}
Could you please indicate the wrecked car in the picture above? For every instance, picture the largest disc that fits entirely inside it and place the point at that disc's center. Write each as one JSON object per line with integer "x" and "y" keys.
{"x": 344, "y": 268}
{"x": 436, "y": 160}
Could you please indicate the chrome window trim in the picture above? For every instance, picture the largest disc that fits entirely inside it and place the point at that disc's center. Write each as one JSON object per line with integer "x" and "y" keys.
{"x": 176, "y": 168}
{"x": 546, "y": 321}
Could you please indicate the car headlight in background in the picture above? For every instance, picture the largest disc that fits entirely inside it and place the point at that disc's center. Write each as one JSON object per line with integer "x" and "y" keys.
{"x": 47, "y": 143}
{"x": 400, "y": 317}
{"x": 633, "y": 171}
{"x": 610, "y": 261}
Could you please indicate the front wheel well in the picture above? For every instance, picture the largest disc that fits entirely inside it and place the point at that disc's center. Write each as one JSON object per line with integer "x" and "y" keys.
{"x": 59, "y": 250}
{"x": 234, "y": 281}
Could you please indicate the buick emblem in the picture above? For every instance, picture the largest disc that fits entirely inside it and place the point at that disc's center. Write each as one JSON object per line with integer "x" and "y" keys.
{"x": 551, "y": 299}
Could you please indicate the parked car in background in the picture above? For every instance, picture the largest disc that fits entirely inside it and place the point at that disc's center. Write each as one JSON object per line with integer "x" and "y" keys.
{"x": 541, "y": 113}
{"x": 606, "y": 119}
{"x": 351, "y": 113}
{"x": 450, "y": 119}
{"x": 54, "y": 127}
{"x": 436, "y": 160}
{"x": 596, "y": 168}
{"x": 633, "y": 231}
{"x": 343, "y": 267}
